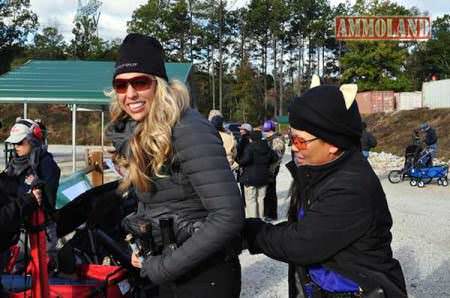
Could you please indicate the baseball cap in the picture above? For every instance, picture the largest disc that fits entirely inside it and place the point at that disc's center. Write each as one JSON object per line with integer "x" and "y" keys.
{"x": 18, "y": 132}
{"x": 269, "y": 125}
{"x": 246, "y": 126}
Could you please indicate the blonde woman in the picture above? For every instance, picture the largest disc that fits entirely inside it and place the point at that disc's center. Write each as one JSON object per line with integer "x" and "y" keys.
{"x": 176, "y": 164}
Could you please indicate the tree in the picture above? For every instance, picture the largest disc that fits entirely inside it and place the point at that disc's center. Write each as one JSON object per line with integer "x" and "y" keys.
{"x": 377, "y": 65}
{"x": 17, "y": 21}
{"x": 49, "y": 45}
{"x": 172, "y": 23}
{"x": 84, "y": 37}
{"x": 246, "y": 94}
{"x": 257, "y": 19}
{"x": 148, "y": 19}
{"x": 431, "y": 57}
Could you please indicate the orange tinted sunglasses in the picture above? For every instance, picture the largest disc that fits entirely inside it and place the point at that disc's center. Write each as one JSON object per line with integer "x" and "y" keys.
{"x": 140, "y": 83}
{"x": 299, "y": 142}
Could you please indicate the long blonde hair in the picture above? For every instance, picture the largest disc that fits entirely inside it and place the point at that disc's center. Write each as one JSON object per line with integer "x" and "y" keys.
{"x": 151, "y": 145}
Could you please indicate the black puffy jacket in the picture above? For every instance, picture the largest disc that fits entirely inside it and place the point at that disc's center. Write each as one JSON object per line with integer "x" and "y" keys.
{"x": 256, "y": 161}
{"x": 368, "y": 141}
{"x": 200, "y": 194}
{"x": 346, "y": 227}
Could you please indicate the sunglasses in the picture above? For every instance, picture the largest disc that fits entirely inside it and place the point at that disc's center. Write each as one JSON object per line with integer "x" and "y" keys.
{"x": 299, "y": 142}
{"x": 140, "y": 83}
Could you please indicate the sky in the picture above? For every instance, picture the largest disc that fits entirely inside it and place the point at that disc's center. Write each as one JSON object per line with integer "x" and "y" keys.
{"x": 115, "y": 13}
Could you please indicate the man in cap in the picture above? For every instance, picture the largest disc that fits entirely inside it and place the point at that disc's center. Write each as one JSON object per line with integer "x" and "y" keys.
{"x": 337, "y": 239}
{"x": 430, "y": 141}
{"x": 276, "y": 142}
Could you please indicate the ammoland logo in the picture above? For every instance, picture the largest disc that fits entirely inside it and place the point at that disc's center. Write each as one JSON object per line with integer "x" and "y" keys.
{"x": 383, "y": 28}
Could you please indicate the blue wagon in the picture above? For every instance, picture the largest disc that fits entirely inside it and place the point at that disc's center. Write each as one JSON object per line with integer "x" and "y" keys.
{"x": 421, "y": 175}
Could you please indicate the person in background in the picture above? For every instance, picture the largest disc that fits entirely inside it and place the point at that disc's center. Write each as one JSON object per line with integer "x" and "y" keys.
{"x": 176, "y": 165}
{"x": 368, "y": 140}
{"x": 415, "y": 138}
{"x": 430, "y": 141}
{"x": 14, "y": 211}
{"x": 337, "y": 239}
{"x": 34, "y": 169}
{"x": 229, "y": 143}
{"x": 213, "y": 113}
{"x": 255, "y": 162}
{"x": 245, "y": 129}
{"x": 276, "y": 142}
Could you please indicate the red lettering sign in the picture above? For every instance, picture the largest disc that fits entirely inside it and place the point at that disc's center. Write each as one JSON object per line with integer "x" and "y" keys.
{"x": 382, "y": 28}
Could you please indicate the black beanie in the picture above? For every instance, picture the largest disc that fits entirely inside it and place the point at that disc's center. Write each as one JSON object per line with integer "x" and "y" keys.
{"x": 321, "y": 111}
{"x": 139, "y": 53}
{"x": 217, "y": 121}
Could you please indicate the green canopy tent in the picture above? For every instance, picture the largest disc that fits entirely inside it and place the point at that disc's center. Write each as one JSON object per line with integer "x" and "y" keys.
{"x": 79, "y": 84}
{"x": 283, "y": 119}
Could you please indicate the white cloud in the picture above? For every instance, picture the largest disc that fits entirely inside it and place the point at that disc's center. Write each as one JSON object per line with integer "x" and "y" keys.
{"x": 60, "y": 13}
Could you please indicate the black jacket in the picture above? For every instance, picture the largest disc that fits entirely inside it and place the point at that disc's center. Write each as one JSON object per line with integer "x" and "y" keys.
{"x": 243, "y": 143}
{"x": 430, "y": 137}
{"x": 199, "y": 193}
{"x": 13, "y": 210}
{"x": 346, "y": 226}
{"x": 256, "y": 161}
{"x": 368, "y": 141}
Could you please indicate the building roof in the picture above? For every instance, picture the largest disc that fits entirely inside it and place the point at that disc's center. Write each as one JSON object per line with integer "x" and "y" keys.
{"x": 68, "y": 81}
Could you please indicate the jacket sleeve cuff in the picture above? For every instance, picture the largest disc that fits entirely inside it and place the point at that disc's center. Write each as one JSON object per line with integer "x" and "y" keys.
{"x": 253, "y": 226}
{"x": 153, "y": 269}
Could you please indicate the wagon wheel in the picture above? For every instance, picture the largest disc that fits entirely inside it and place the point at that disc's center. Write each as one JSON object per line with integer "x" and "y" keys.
{"x": 421, "y": 184}
{"x": 413, "y": 182}
{"x": 395, "y": 176}
{"x": 445, "y": 182}
{"x": 439, "y": 181}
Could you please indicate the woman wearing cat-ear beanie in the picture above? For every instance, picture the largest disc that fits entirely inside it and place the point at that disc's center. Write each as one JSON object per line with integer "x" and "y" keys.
{"x": 337, "y": 239}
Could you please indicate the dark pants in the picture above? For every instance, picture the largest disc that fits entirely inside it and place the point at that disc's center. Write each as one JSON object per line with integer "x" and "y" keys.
{"x": 271, "y": 199}
{"x": 218, "y": 277}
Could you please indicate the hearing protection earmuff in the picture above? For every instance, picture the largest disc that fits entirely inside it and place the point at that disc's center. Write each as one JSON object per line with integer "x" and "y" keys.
{"x": 35, "y": 129}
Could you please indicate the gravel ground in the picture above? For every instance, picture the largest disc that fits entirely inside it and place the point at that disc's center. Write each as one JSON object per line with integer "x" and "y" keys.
{"x": 421, "y": 237}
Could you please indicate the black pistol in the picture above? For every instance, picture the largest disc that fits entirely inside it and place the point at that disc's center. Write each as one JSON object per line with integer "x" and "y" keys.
{"x": 167, "y": 234}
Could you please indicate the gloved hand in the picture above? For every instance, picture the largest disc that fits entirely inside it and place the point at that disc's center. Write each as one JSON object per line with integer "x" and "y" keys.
{"x": 252, "y": 228}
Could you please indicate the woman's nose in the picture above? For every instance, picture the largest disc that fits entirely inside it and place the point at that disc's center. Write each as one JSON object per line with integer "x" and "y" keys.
{"x": 131, "y": 92}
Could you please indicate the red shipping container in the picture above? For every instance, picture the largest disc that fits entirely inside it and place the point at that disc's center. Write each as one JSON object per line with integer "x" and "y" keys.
{"x": 376, "y": 102}
{"x": 364, "y": 103}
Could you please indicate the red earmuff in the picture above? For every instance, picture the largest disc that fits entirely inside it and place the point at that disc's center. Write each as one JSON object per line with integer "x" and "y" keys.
{"x": 35, "y": 129}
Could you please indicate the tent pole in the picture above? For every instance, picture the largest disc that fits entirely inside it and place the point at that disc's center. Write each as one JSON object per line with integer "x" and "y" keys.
{"x": 103, "y": 127}
{"x": 25, "y": 110}
{"x": 74, "y": 127}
